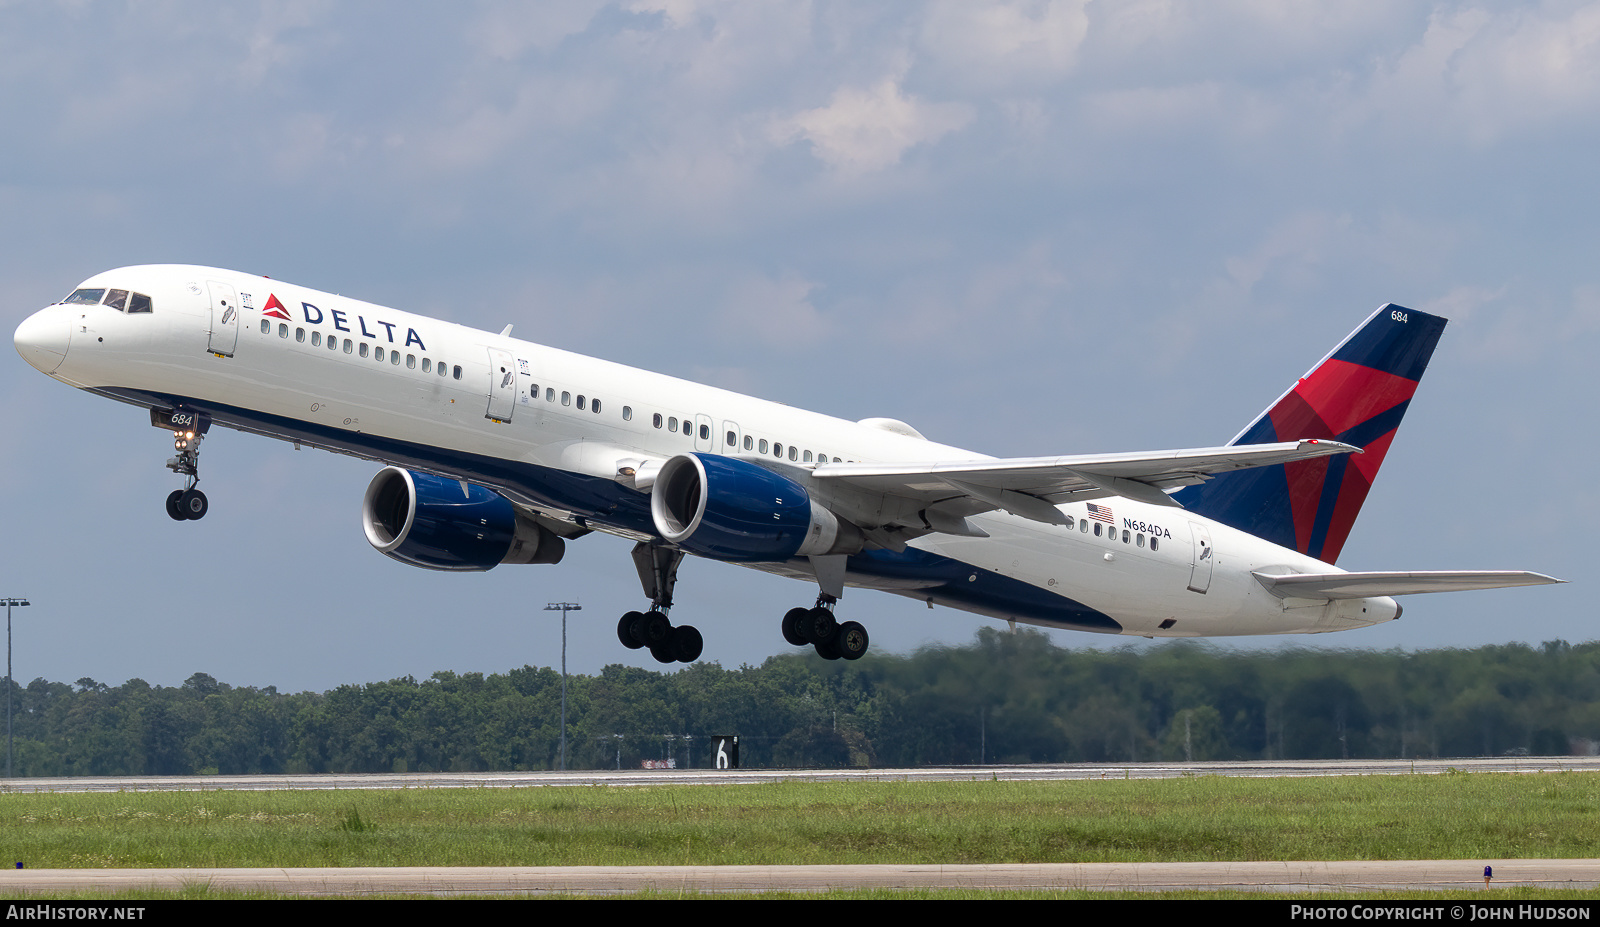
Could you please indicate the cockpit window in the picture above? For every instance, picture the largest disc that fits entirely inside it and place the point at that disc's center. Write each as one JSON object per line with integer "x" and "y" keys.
{"x": 120, "y": 300}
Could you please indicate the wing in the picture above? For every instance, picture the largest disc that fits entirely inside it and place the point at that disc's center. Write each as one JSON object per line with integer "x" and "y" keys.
{"x": 1032, "y": 487}
{"x": 1367, "y": 585}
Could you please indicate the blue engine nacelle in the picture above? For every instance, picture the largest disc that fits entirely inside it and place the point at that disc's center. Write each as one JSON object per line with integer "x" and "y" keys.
{"x": 730, "y": 509}
{"x": 440, "y": 524}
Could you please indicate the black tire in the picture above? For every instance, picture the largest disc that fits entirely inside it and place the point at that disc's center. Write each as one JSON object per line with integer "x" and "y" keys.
{"x": 851, "y": 641}
{"x": 795, "y": 625}
{"x": 655, "y": 630}
{"x": 172, "y": 506}
{"x": 821, "y": 626}
{"x": 686, "y": 643}
{"x": 628, "y": 629}
{"x": 828, "y": 650}
{"x": 193, "y": 504}
{"x": 663, "y": 653}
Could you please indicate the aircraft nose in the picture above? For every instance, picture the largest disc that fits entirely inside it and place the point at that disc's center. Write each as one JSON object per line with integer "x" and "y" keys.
{"x": 42, "y": 339}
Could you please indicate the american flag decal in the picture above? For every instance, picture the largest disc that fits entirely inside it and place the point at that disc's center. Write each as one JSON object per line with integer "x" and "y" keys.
{"x": 1100, "y": 513}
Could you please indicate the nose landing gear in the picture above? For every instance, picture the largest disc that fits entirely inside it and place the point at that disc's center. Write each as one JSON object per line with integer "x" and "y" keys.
{"x": 188, "y": 430}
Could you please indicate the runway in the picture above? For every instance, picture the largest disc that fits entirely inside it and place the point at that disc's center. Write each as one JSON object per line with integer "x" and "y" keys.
{"x": 647, "y": 777}
{"x": 1354, "y": 877}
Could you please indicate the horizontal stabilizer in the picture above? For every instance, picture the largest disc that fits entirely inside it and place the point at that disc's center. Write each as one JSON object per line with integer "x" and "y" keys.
{"x": 1371, "y": 585}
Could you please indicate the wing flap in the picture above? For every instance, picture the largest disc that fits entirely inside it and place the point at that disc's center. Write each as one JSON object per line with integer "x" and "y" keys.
{"x": 1370, "y": 585}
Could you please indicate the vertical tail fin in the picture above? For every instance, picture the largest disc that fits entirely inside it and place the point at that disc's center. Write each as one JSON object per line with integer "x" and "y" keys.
{"x": 1357, "y": 394}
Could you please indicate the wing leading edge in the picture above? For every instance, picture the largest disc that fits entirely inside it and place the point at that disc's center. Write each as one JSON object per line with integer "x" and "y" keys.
{"x": 1032, "y": 487}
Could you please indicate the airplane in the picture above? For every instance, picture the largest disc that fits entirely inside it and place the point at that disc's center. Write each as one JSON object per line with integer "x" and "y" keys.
{"x": 500, "y": 451}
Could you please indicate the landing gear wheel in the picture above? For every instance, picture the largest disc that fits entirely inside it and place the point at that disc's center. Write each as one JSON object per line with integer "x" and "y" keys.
{"x": 172, "y": 506}
{"x": 629, "y": 630}
{"x": 663, "y": 653}
{"x": 654, "y": 631}
{"x": 851, "y": 641}
{"x": 828, "y": 650}
{"x": 686, "y": 644}
{"x": 795, "y": 626}
{"x": 192, "y": 503}
{"x": 821, "y": 625}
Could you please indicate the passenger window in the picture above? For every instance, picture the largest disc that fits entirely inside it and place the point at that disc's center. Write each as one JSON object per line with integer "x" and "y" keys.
{"x": 705, "y": 432}
{"x": 657, "y": 419}
{"x": 733, "y": 439}
{"x": 117, "y": 299}
{"x": 1153, "y": 544}
{"x": 283, "y": 329}
{"x": 1126, "y": 535}
{"x": 427, "y": 365}
{"x": 316, "y": 339}
{"x": 138, "y": 302}
{"x": 300, "y": 334}
{"x": 266, "y": 327}
{"x": 672, "y": 423}
{"x": 411, "y": 361}
{"x": 550, "y": 394}
{"x": 1097, "y": 531}
{"x": 763, "y": 445}
{"x": 444, "y": 371}
{"x": 456, "y": 372}
{"x": 627, "y": 413}
{"x": 1139, "y": 539}
{"x": 595, "y": 407}
{"x": 379, "y": 355}
{"x": 394, "y": 358}
{"x": 364, "y": 349}
{"x": 582, "y": 402}
{"x": 808, "y": 457}
{"x": 792, "y": 453}
{"x": 777, "y": 449}
{"x": 351, "y": 346}
{"x": 333, "y": 343}
{"x": 747, "y": 442}
{"x": 566, "y": 398}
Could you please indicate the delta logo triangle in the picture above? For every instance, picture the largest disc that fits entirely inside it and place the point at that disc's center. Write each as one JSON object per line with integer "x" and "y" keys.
{"x": 274, "y": 309}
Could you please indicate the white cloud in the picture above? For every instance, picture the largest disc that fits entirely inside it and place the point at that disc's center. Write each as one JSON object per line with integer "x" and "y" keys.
{"x": 993, "y": 43}
{"x": 861, "y": 131}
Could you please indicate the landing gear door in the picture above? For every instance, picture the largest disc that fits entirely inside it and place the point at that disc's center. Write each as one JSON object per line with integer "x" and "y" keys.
{"x": 224, "y": 318}
{"x": 1204, "y": 558}
{"x": 502, "y": 385}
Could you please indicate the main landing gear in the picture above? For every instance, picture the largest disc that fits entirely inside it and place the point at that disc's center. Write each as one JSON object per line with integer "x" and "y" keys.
{"x": 658, "y": 573}
{"x": 188, "y": 503}
{"x": 818, "y": 627}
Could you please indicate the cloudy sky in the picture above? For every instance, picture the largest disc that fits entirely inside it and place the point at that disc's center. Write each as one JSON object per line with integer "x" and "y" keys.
{"x": 1026, "y": 228}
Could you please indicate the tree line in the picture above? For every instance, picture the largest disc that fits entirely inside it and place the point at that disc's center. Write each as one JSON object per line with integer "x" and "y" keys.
{"x": 1007, "y": 697}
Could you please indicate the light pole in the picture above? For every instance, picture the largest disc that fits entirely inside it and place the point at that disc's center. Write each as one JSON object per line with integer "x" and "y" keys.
{"x": 563, "y": 607}
{"x": 10, "y": 604}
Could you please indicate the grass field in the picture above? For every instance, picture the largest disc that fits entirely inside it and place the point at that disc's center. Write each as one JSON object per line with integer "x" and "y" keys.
{"x": 1189, "y": 819}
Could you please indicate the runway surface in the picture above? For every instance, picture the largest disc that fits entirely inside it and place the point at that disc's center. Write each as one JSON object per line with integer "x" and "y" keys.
{"x": 642, "y": 777}
{"x": 1354, "y": 877}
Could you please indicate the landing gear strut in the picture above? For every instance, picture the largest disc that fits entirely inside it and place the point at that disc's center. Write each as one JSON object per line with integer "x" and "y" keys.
{"x": 188, "y": 503}
{"x": 658, "y": 574}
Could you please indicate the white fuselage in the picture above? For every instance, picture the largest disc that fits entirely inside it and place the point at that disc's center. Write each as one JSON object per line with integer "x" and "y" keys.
{"x": 547, "y": 428}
